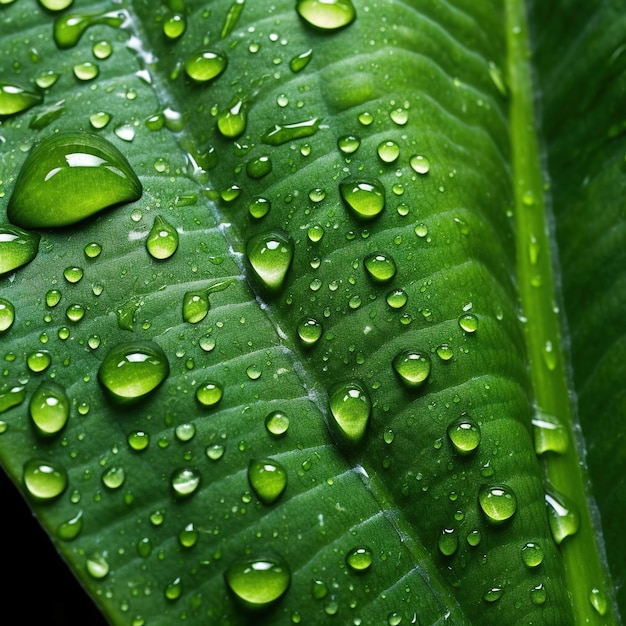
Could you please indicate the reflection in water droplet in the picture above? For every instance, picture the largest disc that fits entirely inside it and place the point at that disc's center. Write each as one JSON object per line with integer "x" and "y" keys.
{"x": 268, "y": 479}
{"x": 348, "y": 144}
{"x": 38, "y": 361}
{"x": 388, "y": 151}
{"x": 17, "y": 247}
{"x": 464, "y": 434}
{"x": 97, "y": 565}
{"x": 397, "y": 298}
{"x": 270, "y": 255}
{"x": 114, "y": 477}
{"x": 174, "y": 26}
{"x": 70, "y": 529}
{"x": 44, "y": 480}
{"x": 162, "y": 239}
{"x": 258, "y": 581}
{"x": 49, "y": 408}
{"x": 232, "y": 122}
{"x": 498, "y": 503}
{"x": 282, "y": 133}
{"x": 420, "y": 164}
{"x": 350, "y": 407}
{"x": 412, "y": 367}
{"x": 468, "y": 322}
{"x": 300, "y": 61}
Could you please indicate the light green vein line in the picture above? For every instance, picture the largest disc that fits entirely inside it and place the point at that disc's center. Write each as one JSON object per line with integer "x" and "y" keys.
{"x": 584, "y": 569}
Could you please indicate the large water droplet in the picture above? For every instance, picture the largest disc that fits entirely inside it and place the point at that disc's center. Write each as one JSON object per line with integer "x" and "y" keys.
{"x": 282, "y": 133}
{"x": 464, "y": 434}
{"x": 268, "y": 479}
{"x": 185, "y": 481}
{"x": 277, "y": 423}
{"x": 209, "y": 394}
{"x": 359, "y": 559}
{"x": 15, "y": 99}
{"x": 132, "y": 370}
{"x": 562, "y": 516}
{"x": 49, "y": 408}
{"x": 7, "y": 315}
{"x": 17, "y": 247}
{"x": 257, "y": 582}
{"x": 205, "y": 65}
{"x": 468, "y": 322}
{"x": 350, "y": 407}
{"x": 412, "y": 367}
{"x": 68, "y": 177}
{"x": 380, "y": 267}
{"x": 44, "y": 480}
{"x": 162, "y": 239}
{"x": 498, "y": 503}
{"x": 258, "y": 167}
{"x": 366, "y": 198}
{"x": 270, "y": 255}
{"x": 326, "y": 15}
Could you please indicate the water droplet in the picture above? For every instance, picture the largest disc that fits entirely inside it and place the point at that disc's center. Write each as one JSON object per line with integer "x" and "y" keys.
{"x": 359, "y": 559}
{"x": 7, "y": 315}
{"x": 493, "y": 594}
{"x": 300, "y": 61}
{"x": 348, "y": 144}
{"x": 73, "y": 274}
{"x": 257, "y": 582}
{"x": 205, "y": 65}
{"x": 86, "y": 71}
{"x": 394, "y": 618}
{"x": 474, "y": 537}
{"x": 464, "y": 434}
{"x": 70, "y": 529}
{"x": 448, "y": 542}
{"x": 232, "y": 122}
{"x": 49, "y": 408}
{"x": 268, "y": 479}
{"x": 350, "y": 407}
{"x": 366, "y": 198}
{"x": 215, "y": 451}
{"x": 132, "y": 370}
{"x": 365, "y": 118}
{"x": 412, "y": 367}
{"x": 326, "y": 15}
{"x": 138, "y": 440}
{"x": 174, "y": 26}
{"x": 562, "y": 516}
{"x": 498, "y": 503}
{"x": 38, "y": 361}
{"x": 550, "y": 434}
{"x": 100, "y": 119}
{"x": 388, "y": 151}
{"x": 17, "y": 247}
{"x": 97, "y": 565}
{"x": 44, "y": 480}
{"x": 209, "y": 394}
{"x": 68, "y": 177}
{"x": 309, "y": 331}
{"x": 232, "y": 17}
{"x": 270, "y": 255}
{"x": 380, "y": 267}
{"x": 68, "y": 29}
{"x": 598, "y": 601}
{"x": 532, "y": 554}
{"x": 277, "y": 423}
{"x": 538, "y": 594}
{"x": 162, "y": 239}
{"x": 468, "y": 322}
{"x": 185, "y": 481}
{"x": 46, "y": 79}
{"x": 259, "y": 167}
{"x": 259, "y": 207}
{"x": 397, "y": 298}
{"x": 282, "y": 133}
{"x": 188, "y": 536}
{"x": 114, "y": 477}
{"x": 195, "y": 306}
{"x": 420, "y": 164}
{"x": 92, "y": 250}
{"x": 173, "y": 590}
{"x": 15, "y": 99}
{"x": 185, "y": 431}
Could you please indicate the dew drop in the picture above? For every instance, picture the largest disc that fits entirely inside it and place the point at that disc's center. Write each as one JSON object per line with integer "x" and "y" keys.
{"x": 538, "y": 594}
{"x": 138, "y": 440}
{"x": 100, "y": 119}
{"x": 300, "y": 61}
{"x": 92, "y": 250}
{"x": 412, "y": 367}
{"x": 17, "y": 247}
{"x": 444, "y": 352}
{"x": 44, "y": 480}
{"x": 257, "y": 582}
{"x": 162, "y": 239}
{"x": 232, "y": 122}
{"x": 366, "y": 198}
{"x": 185, "y": 481}
{"x": 474, "y": 537}
{"x": 270, "y": 254}
{"x": 493, "y": 594}
{"x": 97, "y": 565}
{"x": 563, "y": 516}
{"x": 309, "y": 331}
{"x": 348, "y": 144}
{"x": 277, "y": 423}
{"x": 73, "y": 274}
{"x": 195, "y": 306}
{"x": 327, "y": 15}
{"x": 185, "y": 432}
{"x": 268, "y": 479}
{"x": 498, "y": 503}
{"x": 38, "y": 361}
{"x": 209, "y": 394}
{"x": 132, "y": 370}
{"x": 359, "y": 559}
{"x": 174, "y": 26}
{"x": 550, "y": 434}
{"x": 7, "y": 315}
{"x": 420, "y": 164}
{"x": 259, "y": 167}
{"x": 114, "y": 477}
{"x": 464, "y": 434}
{"x": 350, "y": 407}
{"x": 259, "y": 207}
{"x": 173, "y": 590}
{"x": 68, "y": 177}
{"x": 532, "y": 554}
{"x": 388, "y": 151}
{"x": 598, "y": 601}
{"x": 15, "y": 99}
{"x": 68, "y": 29}
{"x": 71, "y": 528}
{"x": 468, "y": 322}
{"x": 188, "y": 536}
{"x": 232, "y": 17}
{"x": 205, "y": 65}
{"x": 380, "y": 267}
{"x": 215, "y": 451}
{"x": 86, "y": 71}
{"x": 448, "y": 542}
{"x": 49, "y": 408}
{"x": 282, "y": 133}
{"x": 397, "y": 298}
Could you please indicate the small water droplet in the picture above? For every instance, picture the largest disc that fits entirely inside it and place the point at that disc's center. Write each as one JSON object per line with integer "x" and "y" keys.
{"x": 366, "y": 198}
{"x": 365, "y": 118}
{"x": 412, "y": 367}
{"x": 185, "y": 481}
{"x": 448, "y": 542}
{"x": 38, "y": 361}
{"x": 538, "y": 594}
{"x": 188, "y": 536}
{"x": 532, "y": 554}
{"x": 348, "y": 144}
{"x": 209, "y": 394}
{"x": 359, "y": 559}
{"x": 71, "y": 528}
{"x": 173, "y": 590}
{"x": 92, "y": 250}
{"x": 282, "y": 133}
{"x": 259, "y": 207}
{"x": 380, "y": 267}
{"x": 270, "y": 255}
{"x": 100, "y": 119}
{"x": 309, "y": 331}
{"x": 68, "y": 177}
{"x": 562, "y": 516}
{"x": 397, "y": 298}
{"x": 185, "y": 431}
{"x": 300, "y": 61}
{"x": 138, "y": 440}
{"x": 132, "y": 370}
{"x": 174, "y": 26}
{"x": 474, "y": 537}
{"x": 350, "y": 407}
{"x": 493, "y": 594}
{"x": 444, "y": 352}
{"x": 49, "y": 408}
{"x": 97, "y": 565}
{"x": 277, "y": 423}
{"x": 7, "y": 315}
{"x": 464, "y": 434}
{"x": 205, "y": 65}
{"x": 15, "y": 99}
{"x": 388, "y": 151}
{"x": 44, "y": 480}
{"x": 195, "y": 306}
{"x": 258, "y": 581}
{"x": 498, "y": 503}
{"x": 215, "y": 451}
{"x": 232, "y": 122}
{"x": 468, "y": 322}
{"x": 162, "y": 239}
{"x": 259, "y": 167}
{"x": 17, "y": 247}
{"x": 550, "y": 434}
{"x": 420, "y": 164}
{"x": 268, "y": 479}
{"x": 86, "y": 71}
{"x": 114, "y": 477}
{"x": 73, "y": 274}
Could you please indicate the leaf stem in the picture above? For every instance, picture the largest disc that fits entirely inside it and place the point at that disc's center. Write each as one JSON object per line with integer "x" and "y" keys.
{"x": 584, "y": 567}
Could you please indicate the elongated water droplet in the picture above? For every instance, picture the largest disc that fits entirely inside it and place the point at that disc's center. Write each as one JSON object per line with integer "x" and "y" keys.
{"x": 366, "y": 198}
{"x": 17, "y": 247}
{"x": 68, "y": 177}
{"x": 412, "y": 367}
{"x": 380, "y": 267}
{"x": 185, "y": 481}
{"x": 268, "y": 479}
{"x": 270, "y": 254}
{"x": 359, "y": 559}
{"x": 205, "y": 65}
{"x": 277, "y": 423}
{"x": 259, "y": 581}
{"x": 7, "y": 315}
{"x": 70, "y": 529}
{"x": 15, "y": 99}
{"x": 464, "y": 434}
{"x": 195, "y": 306}
{"x": 232, "y": 17}
{"x": 498, "y": 503}
{"x": 209, "y": 394}
{"x": 550, "y": 434}
{"x": 562, "y": 516}
{"x": 132, "y": 370}
{"x": 350, "y": 407}
{"x": 282, "y": 133}
{"x": 162, "y": 239}
{"x": 68, "y": 29}
{"x": 532, "y": 554}
{"x": 188, "y": 536}
{"x": 448, "y": 542}
{"x": 300, "y": 61}
{"x": 49, "y": 408}
{"x": 598, "y": 601}
{"x": 326, "y": 15}
{"x": 44, "y": 480}
{"x": 232, "y": 122}
{"x": 11, "y": 396}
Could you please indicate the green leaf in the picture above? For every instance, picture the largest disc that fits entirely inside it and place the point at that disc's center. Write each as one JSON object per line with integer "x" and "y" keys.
{"x": 349, "y": 346}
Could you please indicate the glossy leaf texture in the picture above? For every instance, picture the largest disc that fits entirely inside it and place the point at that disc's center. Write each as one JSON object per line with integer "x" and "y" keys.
{"x": 289, "y": 373}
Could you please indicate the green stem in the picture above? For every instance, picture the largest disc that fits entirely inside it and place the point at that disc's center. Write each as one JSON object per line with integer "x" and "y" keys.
{"x": 584, "y": 569}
